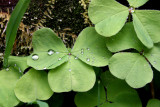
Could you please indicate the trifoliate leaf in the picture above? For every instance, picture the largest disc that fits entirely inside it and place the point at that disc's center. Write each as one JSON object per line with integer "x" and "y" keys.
{"x": 69, "y": 67}
{"x": 90, "y": 98}
{"x": 19, "y": 62}
{"x": 91, "y": 48}
{"x": 125, "y": 39}
{"x": 8, "y": 80}
{"x": 142, "y": 32}
{"x": 49, "y": 50}
{"x": 150, "y": 19}
{"x": 132, "y": 67}
{"x": 33, "y": 86}
{"x": 73, "y": 75}
{"x": 108, "y": 16}
{"x": 153, "y": 55}
{"x": 137, "y": 3}
{"x": 153, "y": 103}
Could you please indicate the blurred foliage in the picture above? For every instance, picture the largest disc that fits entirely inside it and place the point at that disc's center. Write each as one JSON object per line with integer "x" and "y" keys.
{"x": 66, "y": 17}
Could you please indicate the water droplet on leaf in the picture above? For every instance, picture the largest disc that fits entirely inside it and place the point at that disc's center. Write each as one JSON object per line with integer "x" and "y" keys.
{"x": 59, "y": 59}
{"x": 50, "y": 52}
{"x": 7, "y": 69}
{"x": 57, "y": 52}
{"x": 70, "y": 70}
{"x": 88, "y": 59}
{"x": 76, "y": 58}
{"x": 35, "y": 57}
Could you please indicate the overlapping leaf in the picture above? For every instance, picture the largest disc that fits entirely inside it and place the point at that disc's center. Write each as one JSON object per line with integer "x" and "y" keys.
{"x": 119, "y": 94}
{"x": 73, "y": 75}
{"x": 142, "y": 33}
{"x": 8, "y": 80}
{"x": 125, "y": 39}
{"x": 108, "y": 16}
{"x": 137, "y": 3}
{"x": 132, "y": 67}
{"x": 19, "y": 62}
{"x": 153, "y": 55}
{"x": 90, "y": 47}
{"x": 150, "y": 21}
{"x": 33, "y": 86}
{"x": 48, "y": 49}
{"x": 153, "y": 103}
{"x": 89, "y": 99}
{"x": 70, "y": 69}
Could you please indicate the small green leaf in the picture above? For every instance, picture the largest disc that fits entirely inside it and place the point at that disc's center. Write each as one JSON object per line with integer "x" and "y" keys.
{"x": 150, "y": 19}
{"x": 153, "y": 55}
{"x": 20, "y": 62}
{"x": 90, "y": 47}
{"x": 33, "y": 86}
{"x": 132, "y": 67}
{"x": 125, "y": 39}
{"x": 89, "y": 99}
{"x": 121, "y": 95}
{"x": 12, "y": 27}
{"x": 73, "y": 75}
{"x": 8, "y": 80}
{"x": 142, "y": 32}
{"x": 137, "y": 3}
{"x": 49, "y": 50}
{"x": 153, "y": 103}
{"x": 42, "y": 104}
{"x": 108, "y": 16}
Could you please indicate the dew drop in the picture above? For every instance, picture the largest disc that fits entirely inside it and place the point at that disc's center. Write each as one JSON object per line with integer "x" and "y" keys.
{"x": 88, "y": 49}
{"x": 15, "y": 65}
{"x": 7, "y": 69}
{"x": 76, "y": 58}
{"x": 57, "y": 52}
{"x": 35, "y": 57}
{"x": 88, "y": 59}
{"x": 154, "y": 62}
{"x": 50, "y": 52}
{"x": 44, "y": 68}
{"x": 20, "y": 70}
{"x": 70, "y": 70}
{"x": 59, "y": 59}
{"x": 82, "y": 52}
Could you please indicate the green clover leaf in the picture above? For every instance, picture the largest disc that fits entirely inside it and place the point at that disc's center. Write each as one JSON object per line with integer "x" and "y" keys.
{"x": 89, "y": 99}
{"x": 33, "y": 86}
{"x": 119, "y": 94}
{"x": 18, "y": 62}
{"x": 125, "y": 39}
{"x": 153, "y": 103}
{"x": 137, "y": 3}
{"x": 71, "y": 70}
{"x": 8, "y": 80}
{"x": 110, "y": 16}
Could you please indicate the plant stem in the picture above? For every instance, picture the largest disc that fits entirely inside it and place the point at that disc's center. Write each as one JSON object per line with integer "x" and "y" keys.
{"x": 98, "y": 101}
{"x": 152, "y": 90}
